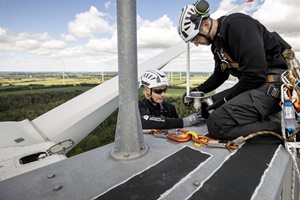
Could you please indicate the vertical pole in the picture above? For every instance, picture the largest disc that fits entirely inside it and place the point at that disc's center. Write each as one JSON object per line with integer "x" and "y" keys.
{"x": 129, "y": 138}
{"x": 188, "y": 69}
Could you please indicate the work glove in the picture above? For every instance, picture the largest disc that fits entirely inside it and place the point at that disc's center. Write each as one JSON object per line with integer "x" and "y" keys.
{"x": 192, "y": 119}
{"x": 187, "y": 101}
{"x": 216, "y": 104}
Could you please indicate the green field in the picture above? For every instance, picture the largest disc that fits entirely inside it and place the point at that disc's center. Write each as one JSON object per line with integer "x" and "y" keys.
{"x": 49, "y": 81}
{"x": 52, "y": 78}
{"x": 28, "y": 83}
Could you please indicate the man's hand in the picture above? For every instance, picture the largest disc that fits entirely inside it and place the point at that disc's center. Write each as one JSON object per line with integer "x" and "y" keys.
{"x": 216, "y": 104}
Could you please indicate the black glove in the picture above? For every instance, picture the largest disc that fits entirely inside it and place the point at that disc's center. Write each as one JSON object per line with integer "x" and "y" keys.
{"x": 216, "y": 104}
{"x": 204, "y": 111}
{"x": 187, "y": 101}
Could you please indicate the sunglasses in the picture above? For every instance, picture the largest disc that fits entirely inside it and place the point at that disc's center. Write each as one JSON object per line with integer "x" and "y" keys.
{"x": 159, "y": 91}
{"x": 194, "y": 39}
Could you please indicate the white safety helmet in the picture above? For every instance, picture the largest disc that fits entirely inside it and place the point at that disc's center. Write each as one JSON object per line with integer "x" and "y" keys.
{"x": 154, "y": 78}
{"x": 190, "y": 19}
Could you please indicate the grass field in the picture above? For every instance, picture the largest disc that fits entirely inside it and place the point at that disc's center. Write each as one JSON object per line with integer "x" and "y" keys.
{"x": 50, "y": 81}
{"x": 12, "y": 81}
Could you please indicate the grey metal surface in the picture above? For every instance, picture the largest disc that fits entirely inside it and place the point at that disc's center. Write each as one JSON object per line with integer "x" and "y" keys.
{"x": 89, "y": 174}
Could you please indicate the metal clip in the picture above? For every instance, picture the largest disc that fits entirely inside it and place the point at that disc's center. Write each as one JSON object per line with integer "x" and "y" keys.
{"x": 161, "y": 134}
{"x": 297, "y": 83}
{"x": 216, "y": 143}
{"x": 273, "y": 91}
{"x": 285, "y": 78}
{"x": 293, "y": 145}
{"x": 157, "y": 133}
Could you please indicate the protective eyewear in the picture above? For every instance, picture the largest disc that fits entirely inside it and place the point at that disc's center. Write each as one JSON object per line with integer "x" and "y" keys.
{"x": 159, "y": 91}
{"x": 195, "y": 38}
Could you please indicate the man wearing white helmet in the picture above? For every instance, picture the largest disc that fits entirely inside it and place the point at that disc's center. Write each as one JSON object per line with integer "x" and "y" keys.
{"x": 244, "y": 48}
{"x": 155, "y": 112}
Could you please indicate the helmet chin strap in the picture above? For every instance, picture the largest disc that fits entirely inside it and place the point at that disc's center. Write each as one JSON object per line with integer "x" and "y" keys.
{"x": 152, "y": 100}
{"x": 208, "y": 34}
{"x": 150, "y": 95}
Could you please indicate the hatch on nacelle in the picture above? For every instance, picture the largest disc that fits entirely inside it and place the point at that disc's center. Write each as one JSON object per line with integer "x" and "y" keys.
{"x": 61, "y": 146}
{"x": 55, "y": 149}
{"x": 32, "y": 157}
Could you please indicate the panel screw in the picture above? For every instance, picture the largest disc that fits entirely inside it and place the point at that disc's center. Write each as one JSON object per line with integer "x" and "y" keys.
{"x": 196, "y": 183}
{"x": 57, "y": 187}
{"x": 51, "y": 176}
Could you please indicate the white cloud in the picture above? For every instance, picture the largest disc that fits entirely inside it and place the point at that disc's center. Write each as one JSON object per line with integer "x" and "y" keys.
{"x": 279, "y": 15}
{"x": 23, "y": 42}
{"x": 68, "y": 37}
{"x": 159, "y": 33}
{"x": 53, "y": 44}
{"x": 27, "y": 44}
{"x": 3, "y": 32}
{"x": 4, "y": 38}
{"x": 107, "y": 4}
{"x": 101, "y": 45}
{"x": 39, "y": 36}
{"x": 89, "y": 23}
{"x": 283, "y": 17}
{"x": 71, "y": 52}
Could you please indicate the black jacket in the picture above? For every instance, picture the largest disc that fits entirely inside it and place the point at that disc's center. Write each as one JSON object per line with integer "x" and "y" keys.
{"x": 251, "y": 45}
{"x": 157, "y": 117}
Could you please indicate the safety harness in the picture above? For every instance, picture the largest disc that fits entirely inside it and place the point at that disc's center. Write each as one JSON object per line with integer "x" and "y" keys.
{"x": 274, "y": 74}
{"x": 290, "y": 104}
{"x": 287, "y": 86}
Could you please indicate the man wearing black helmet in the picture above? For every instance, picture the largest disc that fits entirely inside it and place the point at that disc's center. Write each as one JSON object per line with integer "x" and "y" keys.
{"x": 155, "y": 112}
{"x": 244, "y": 48}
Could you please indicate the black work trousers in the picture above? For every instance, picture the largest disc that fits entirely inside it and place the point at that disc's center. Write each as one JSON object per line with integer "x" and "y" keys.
{"x": 245, "y": 114}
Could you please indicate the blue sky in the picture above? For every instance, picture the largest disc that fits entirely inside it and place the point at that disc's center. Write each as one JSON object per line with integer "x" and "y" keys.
{"x": 80, "y": 35}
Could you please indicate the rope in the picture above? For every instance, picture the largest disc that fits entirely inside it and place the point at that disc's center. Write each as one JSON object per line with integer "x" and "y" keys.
{"x": 242, "y": 139}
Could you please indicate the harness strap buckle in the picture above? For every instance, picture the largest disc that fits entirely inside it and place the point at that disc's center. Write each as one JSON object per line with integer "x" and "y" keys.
{"x": 273, "y": 91}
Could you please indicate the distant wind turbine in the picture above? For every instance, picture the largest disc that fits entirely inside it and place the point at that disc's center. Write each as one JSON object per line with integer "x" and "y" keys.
{"x": 102, "y": 74}
{"x": 64, "y": 75}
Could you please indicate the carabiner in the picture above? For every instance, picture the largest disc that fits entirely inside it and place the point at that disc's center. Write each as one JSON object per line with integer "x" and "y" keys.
{"x": 180, "y": 138}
